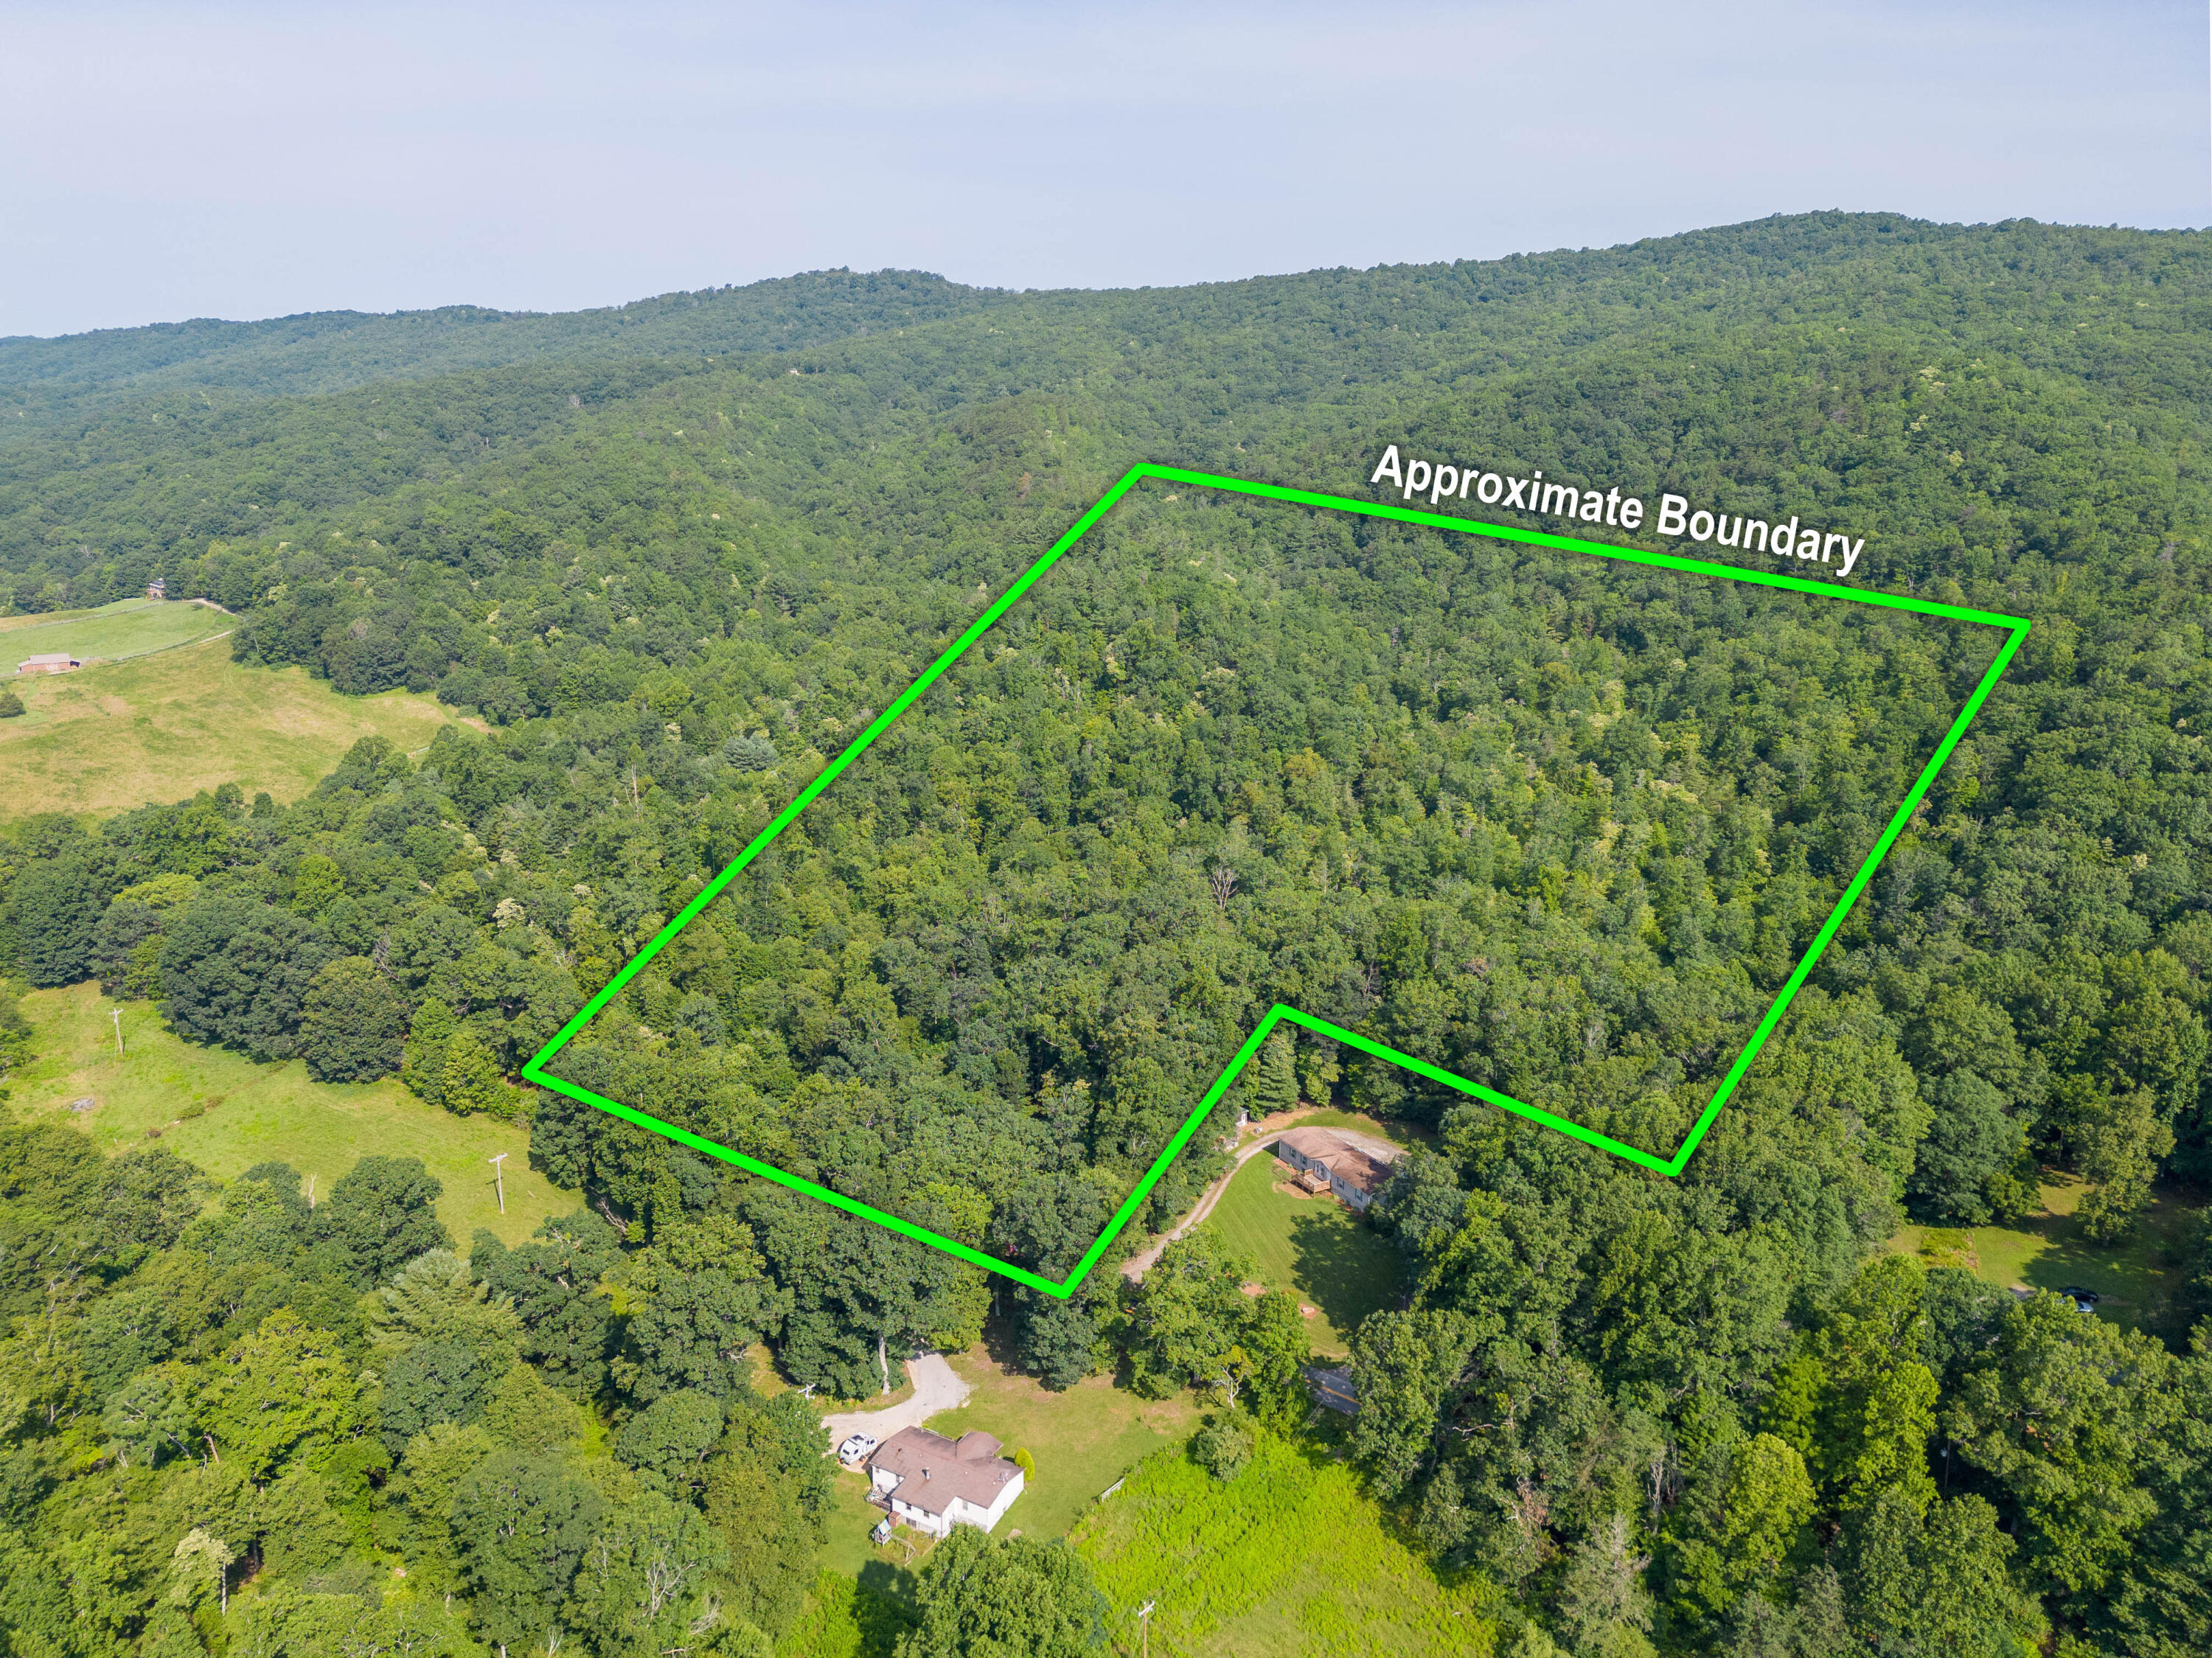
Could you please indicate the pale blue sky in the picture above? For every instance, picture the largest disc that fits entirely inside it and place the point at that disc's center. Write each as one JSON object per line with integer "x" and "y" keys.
{"x": 187, "y": 160}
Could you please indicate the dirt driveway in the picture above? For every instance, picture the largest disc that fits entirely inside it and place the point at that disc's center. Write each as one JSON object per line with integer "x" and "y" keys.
{"x": 1257, "y": 1137}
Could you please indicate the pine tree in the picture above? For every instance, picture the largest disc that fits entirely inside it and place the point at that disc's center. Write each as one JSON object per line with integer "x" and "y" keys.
{"x": 436, "y": 1298}
{"x": 1275, "y": 1078}
{"x": 423, "y": 1068}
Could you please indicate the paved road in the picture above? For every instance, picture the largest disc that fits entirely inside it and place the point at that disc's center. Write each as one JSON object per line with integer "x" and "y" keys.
{"x": 936, "y": 1388}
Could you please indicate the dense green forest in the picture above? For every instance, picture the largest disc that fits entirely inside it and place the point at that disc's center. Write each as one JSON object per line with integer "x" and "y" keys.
{"x": 1560, "y": 827}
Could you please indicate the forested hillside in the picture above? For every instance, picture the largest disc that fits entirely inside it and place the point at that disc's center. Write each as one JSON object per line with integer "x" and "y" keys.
{"x": 1562, "y": 827}
{"x": 327, "y": 351}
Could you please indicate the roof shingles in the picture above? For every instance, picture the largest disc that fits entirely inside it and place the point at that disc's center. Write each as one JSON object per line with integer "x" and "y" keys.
{"x": 933, "y": 1471}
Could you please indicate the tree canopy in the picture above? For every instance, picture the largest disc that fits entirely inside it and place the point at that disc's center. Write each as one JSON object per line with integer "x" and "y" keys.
{"x": 1564, "y": 828}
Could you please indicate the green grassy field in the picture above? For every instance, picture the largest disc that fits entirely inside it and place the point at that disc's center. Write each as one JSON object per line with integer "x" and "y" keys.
{"x": 105, "y": 739}
{"x": 130, "y": 627}
{"x": 1312, "y": 1246}
{"x": 2137, "y": 1277}
{"x": 1291, "y": 1559}
{"x": 10, "y": 624}
{"x": 254, "y": 1112}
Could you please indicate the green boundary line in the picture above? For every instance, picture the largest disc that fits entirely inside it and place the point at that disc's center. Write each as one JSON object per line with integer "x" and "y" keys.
{"x": 2015, "y": 629}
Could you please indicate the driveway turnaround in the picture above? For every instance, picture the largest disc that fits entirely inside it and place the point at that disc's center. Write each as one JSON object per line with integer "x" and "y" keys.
{"x": 935, "y": 1388}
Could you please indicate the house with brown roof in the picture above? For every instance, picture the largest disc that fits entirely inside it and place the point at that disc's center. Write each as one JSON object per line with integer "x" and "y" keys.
{"x": 934, "y": 1484}
{"x": 1352, "y": 1169}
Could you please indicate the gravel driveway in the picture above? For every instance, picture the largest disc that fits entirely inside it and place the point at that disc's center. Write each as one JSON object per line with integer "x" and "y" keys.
{"x": 935, "y": 1388}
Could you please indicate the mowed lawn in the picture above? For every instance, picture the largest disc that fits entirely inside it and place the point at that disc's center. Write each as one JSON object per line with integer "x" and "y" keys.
{"x": 847, "y": 1550}
{"x": 1084, "y": 1439}
{"x": 130, "y": 627}
{"x": 2135, "y": 1277}
{"x": 163, "y": 727}
{"x": 254, "y": 1112}
{"x": 1314, "y": 1247}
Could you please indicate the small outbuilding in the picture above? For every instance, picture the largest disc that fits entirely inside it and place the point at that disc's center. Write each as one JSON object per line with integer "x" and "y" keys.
{"x": 53, "y": 662}
{"x": 934, "y": 1484}
{"x": 1332, "y": 1387}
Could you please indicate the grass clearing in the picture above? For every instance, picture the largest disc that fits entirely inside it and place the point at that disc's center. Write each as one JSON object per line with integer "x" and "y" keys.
{"x": 163, "y": 727}
{"x": 1292, "y": 1559}
{"x": 1312, "y": 1246}
{"x": 130, "y": 627}
{"x": 1083, "y": 1439}
{"x": 254, "y": 1112}
{"x": 847, "y": 1552}
{"x": 2137, "y": 1278}
{"x": 10, "y": 624}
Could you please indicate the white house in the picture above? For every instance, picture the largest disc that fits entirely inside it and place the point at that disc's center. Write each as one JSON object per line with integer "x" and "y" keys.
{"x": 934, "y": 1484}
{"x": 1354, "y": 1170}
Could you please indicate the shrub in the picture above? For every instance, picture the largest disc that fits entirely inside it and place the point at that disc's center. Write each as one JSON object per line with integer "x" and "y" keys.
{"x": 1224, "y": 1445}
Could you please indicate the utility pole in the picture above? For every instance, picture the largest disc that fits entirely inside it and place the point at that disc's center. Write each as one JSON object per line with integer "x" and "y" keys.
{"x": 1145, "y": 1629}
{"x": 117, "y": 1014}
{"x": 498, "y": 1178}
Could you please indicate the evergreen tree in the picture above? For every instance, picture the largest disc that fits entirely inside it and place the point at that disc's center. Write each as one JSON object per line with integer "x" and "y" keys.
{"x": 435, "y": 1298}
{"x": 1275, "y": 1085}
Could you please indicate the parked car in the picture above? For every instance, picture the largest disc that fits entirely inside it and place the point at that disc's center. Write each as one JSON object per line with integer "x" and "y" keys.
{"x": 2085, "y": 1301}
{"x": 854, "y": 1451}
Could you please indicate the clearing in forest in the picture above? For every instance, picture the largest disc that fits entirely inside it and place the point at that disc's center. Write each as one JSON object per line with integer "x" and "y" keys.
{"x": 1229, "y": 1566}
{"x": 2138, "y": 1276}
{"x": 224, "y": 1113}
{"x": 129, "y": 628}
{"x": 1311, "y": 1246}
{"x": 1666, "y": 1161}
{"x": 110, "y": 737}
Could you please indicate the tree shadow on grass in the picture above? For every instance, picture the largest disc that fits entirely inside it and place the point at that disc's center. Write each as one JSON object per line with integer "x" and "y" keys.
{"x": 2131, "y": 1274}
{"x": 886, "y": 1578}
{"x": 1343, "y": 1268}
{"x": 884, "y": 1607}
